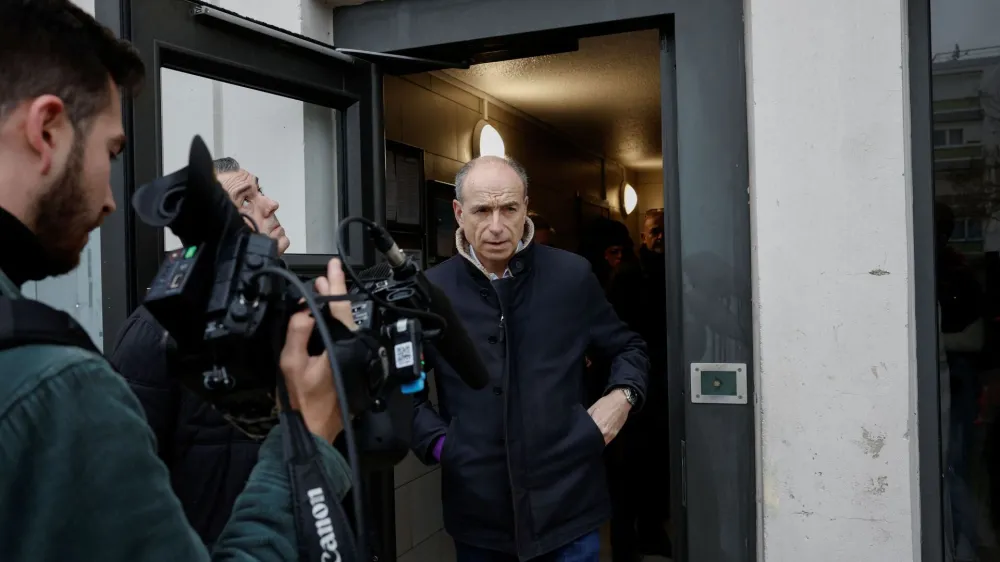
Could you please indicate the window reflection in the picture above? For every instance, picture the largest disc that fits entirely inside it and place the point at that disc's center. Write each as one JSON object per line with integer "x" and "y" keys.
{"x": 274, "y": 156}
{"x": 965, "y": 41}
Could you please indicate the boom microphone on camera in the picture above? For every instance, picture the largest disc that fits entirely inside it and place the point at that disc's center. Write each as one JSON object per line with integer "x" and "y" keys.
{"x": 454, "y": 344}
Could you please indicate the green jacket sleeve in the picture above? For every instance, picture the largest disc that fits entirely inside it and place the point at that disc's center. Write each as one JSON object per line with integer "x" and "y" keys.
{"x": 81, "y": 481}
{"x": 262, "y": 526}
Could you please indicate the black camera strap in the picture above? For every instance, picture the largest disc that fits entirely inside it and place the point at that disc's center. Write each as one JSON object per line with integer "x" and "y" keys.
{"x": 324, "y": 533}
{"x": 27, "y": 322}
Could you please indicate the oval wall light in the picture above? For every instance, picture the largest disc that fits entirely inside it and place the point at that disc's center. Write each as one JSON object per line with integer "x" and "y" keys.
{"x": 486, "y": 141}
{"x": 629, "y": 199}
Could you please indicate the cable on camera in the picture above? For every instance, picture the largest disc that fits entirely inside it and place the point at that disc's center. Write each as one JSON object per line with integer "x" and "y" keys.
{"x": 338, "y": 381}
{"x": 402, "y": 311}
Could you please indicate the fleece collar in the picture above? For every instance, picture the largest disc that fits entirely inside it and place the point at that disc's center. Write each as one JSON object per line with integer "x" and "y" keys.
{"x": 465, "y": 248}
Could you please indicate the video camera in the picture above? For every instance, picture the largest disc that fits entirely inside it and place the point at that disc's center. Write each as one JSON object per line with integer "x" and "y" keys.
{"x": 226, "y": 298}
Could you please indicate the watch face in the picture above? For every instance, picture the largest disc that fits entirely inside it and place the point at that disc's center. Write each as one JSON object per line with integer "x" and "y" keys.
{"x": 629, "y": 395}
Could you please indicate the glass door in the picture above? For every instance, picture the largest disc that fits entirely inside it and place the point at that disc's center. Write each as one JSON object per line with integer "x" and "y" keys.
{"x": 294, "y": 127}
{"x": 293, "y": 112}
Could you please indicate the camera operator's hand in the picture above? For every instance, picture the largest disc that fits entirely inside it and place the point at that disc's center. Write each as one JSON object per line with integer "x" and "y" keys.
{"x": 309, "y": 379}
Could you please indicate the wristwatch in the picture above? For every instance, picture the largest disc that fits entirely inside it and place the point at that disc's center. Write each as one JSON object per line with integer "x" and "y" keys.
{"x": 630, "y": 394}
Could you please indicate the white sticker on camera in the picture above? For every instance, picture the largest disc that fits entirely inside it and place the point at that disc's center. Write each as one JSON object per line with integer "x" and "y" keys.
{"x": 404, "y": 354}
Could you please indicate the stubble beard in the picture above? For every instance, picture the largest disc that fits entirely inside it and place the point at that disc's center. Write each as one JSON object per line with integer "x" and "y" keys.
{"x": 61, "y": 223}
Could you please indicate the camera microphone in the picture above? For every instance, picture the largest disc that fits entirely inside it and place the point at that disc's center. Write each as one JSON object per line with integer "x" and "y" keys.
{"x": 454, "y": 345}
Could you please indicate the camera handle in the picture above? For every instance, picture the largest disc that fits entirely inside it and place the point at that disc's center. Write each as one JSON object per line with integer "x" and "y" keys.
{"x": 324, "y": 535}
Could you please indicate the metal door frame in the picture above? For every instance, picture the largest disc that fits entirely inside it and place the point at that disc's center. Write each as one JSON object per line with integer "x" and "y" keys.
{"x": 925, "y": 314}
{"x": 167, "y": 35}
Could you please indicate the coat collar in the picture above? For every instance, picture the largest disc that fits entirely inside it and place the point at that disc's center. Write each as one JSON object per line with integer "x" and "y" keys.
{"x": 514, "y": 266}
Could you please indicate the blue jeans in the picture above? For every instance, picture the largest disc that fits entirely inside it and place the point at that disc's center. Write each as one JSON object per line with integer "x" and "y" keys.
{"x": 584, "y": 549}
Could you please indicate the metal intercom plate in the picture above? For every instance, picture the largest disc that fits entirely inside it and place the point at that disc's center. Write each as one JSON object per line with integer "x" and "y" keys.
{"x": 719, "y": 383}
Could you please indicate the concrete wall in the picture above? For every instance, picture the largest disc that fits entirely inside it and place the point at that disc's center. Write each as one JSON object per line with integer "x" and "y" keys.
{"x": 439, "y": 115}
{"x": 829, "y": 185}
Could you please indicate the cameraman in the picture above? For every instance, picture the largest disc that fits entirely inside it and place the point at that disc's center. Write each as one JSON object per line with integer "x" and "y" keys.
{"x": 79, "y": 476}
{"x": 209, "y": 460}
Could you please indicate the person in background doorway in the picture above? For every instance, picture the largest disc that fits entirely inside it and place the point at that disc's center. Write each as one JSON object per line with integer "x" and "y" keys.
{"x": 543, "y": 229}
{"x": 652, "y": 235}
{"x": 209, "y": 459}
{"x": 638, "y": 460}
{"x": 653, "y": 267}
{"x": 606, "y": 244}
{"x": 522, "y": 477}
{"x": 654, "y": 422}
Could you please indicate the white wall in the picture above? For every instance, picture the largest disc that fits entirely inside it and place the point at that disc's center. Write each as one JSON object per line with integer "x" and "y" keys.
{"x": 829, "y": 113}
{"x": 287, "y": 144}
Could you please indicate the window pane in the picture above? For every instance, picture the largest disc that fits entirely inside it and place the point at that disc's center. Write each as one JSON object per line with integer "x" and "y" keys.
{"x": 78, "y": 292}
{"x": 958, "y": 233}
{"x": 940, "y": 138}
{"x": 283, "y": 171}
{"x": 974, "y": 229}
{"x": 965, "y": 42}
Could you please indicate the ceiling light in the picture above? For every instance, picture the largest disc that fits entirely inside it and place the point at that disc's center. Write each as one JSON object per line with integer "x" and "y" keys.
{"x": 629, "y": 199}
{"x": 487, "y": 141}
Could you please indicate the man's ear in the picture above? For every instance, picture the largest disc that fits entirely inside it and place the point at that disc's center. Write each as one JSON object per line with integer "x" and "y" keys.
{"x": 456, "y": 206}
{"x": 46, "y": 126}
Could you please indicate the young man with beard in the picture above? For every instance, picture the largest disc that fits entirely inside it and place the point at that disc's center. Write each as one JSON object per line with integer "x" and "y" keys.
{"x": 209, "y": 459}
{"x": 79, "y": 475}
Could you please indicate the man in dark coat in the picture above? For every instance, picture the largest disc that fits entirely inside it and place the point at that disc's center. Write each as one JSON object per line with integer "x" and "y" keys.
{"x": 522, "y": 475}
{"x": 209, "y": 459}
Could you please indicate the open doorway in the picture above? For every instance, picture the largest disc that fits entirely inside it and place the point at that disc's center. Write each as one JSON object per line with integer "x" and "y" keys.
{"x": 702, "y": 66}
{"x": 586, "y": 124}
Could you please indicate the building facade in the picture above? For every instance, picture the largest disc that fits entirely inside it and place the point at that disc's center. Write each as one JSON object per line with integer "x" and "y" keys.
{"x": 801, "y": 149}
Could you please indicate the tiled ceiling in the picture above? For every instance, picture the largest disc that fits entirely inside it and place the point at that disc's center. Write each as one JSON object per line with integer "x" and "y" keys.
{"x": 606, "y": 95}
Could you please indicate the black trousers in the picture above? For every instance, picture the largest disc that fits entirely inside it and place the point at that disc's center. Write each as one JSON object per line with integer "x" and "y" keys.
{"x": 638, "y": 468}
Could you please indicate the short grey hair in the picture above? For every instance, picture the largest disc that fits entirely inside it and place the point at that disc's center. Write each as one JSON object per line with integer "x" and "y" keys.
{"x": 226, "y": 165}
{"x": 510, "y": 162}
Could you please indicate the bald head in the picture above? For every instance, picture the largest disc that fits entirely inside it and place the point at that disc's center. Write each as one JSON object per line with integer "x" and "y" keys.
{"x": 462, "y": 177}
